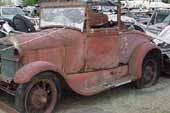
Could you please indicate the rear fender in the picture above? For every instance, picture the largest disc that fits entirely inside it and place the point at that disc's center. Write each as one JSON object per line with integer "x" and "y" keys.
{"x": 27, "y": 72}
{"x": 136, "y": 60}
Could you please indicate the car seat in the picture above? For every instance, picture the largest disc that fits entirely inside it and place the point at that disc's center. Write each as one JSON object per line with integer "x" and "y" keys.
{"x": 97, "y": 19}
{"x": 23, "y": 24}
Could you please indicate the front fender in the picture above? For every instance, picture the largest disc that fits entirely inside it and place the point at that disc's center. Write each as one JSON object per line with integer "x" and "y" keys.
{"x": 136, "y": 60}
{"x": 27, "y": 72}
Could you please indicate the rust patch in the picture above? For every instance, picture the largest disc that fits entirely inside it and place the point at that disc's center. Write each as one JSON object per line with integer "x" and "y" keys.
{"x": 103, "y": 50}
{"x": 128, "y": 43}
{"x": 93, "y": 82}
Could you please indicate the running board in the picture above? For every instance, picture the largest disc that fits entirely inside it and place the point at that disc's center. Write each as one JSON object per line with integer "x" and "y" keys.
{"x": 117, "y": 83}
{"x": 123, "y": 83}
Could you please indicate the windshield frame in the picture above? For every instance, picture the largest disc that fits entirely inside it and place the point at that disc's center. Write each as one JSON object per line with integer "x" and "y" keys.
{"x": 64, "y": 5}
{"x": 158, "y": 13}
{"x": 67, "y": 4}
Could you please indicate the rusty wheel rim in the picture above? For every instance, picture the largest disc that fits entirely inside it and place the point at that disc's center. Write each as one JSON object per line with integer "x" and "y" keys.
{"x": 150, "y": 72}
{"x": 41, "y": 97}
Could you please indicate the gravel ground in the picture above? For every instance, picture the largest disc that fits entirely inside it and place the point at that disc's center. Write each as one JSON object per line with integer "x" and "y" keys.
{"x": 125, "y": 99}
{"x": 1, "y": 111}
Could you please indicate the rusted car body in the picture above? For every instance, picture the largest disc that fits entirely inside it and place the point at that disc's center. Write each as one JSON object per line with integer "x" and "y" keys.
{"x": 92, "y": 58}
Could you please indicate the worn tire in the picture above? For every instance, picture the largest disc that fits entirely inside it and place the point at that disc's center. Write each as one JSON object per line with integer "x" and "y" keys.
{"x": 23, "y": 24}
{"x": 27, "y": 90}
{"x": 150, "y": 73}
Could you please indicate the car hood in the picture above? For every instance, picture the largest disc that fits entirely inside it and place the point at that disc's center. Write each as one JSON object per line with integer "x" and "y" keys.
{"x": 51, "y": 38}
{"x": 157, "y": 28}
{"x": 163, "y": 36}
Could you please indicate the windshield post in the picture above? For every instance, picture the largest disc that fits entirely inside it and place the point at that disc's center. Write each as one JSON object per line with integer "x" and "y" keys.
{"x": 119, "y": 14}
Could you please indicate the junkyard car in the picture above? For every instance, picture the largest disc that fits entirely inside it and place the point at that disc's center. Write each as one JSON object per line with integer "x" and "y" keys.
{"x": 77, "y": 48}
{"x": 159, "y": 20}
{"x": 159, "y": 29}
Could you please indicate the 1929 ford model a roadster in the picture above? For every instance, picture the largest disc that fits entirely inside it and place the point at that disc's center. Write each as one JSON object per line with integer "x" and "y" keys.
{"x": 77, "y": 47}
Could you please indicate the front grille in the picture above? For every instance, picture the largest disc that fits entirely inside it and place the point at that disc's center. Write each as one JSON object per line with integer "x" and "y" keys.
{"x": 8, "y": 64}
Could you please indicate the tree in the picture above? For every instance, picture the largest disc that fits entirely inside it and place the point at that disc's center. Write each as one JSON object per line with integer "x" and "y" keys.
{"x": 1, "y": 3}
{"x": 166, "y": 1}
{"x": 30, "y": 2}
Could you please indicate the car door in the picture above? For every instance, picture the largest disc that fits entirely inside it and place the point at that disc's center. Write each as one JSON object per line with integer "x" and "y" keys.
{"x": 102, "y": 49}
{"x": 102, "y": 43}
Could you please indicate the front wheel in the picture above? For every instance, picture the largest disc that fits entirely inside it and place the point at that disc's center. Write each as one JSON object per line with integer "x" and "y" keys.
{"x": 38, "y": 96}
{"x": 150, "y": 73}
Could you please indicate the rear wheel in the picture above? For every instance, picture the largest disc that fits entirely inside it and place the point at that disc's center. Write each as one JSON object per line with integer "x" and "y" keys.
{"x": 38, "y": 96}
{"x": 150, "y": 73}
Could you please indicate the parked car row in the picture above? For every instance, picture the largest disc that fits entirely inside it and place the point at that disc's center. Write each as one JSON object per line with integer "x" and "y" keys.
{"x": 78, "y": 47}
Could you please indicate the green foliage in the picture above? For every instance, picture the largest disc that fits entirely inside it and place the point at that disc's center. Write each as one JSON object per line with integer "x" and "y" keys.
{"x": 30, "y": 2}
{"x": 166, "y": 1}
{"x": 1, "y": 3}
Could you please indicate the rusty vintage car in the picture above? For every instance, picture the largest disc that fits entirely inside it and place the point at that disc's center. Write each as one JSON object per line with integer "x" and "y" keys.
{"x": 77, "y": 48}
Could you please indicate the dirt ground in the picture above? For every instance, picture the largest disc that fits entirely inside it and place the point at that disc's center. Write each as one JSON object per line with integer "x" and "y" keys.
{"x": 125, "y": 99}
{"x": 6, "y": 109}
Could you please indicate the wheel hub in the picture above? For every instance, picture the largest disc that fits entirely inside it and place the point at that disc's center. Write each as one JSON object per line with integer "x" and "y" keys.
{"x": 39, "y": 98}
{"x": 150, "y": 71}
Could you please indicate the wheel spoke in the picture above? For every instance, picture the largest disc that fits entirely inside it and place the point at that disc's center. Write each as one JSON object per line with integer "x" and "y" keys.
{"x": 38, "y": 86}
{"x": 40, "y": 97}
{"x": 44, "y": 86}
{"x": 149, "y": 72}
